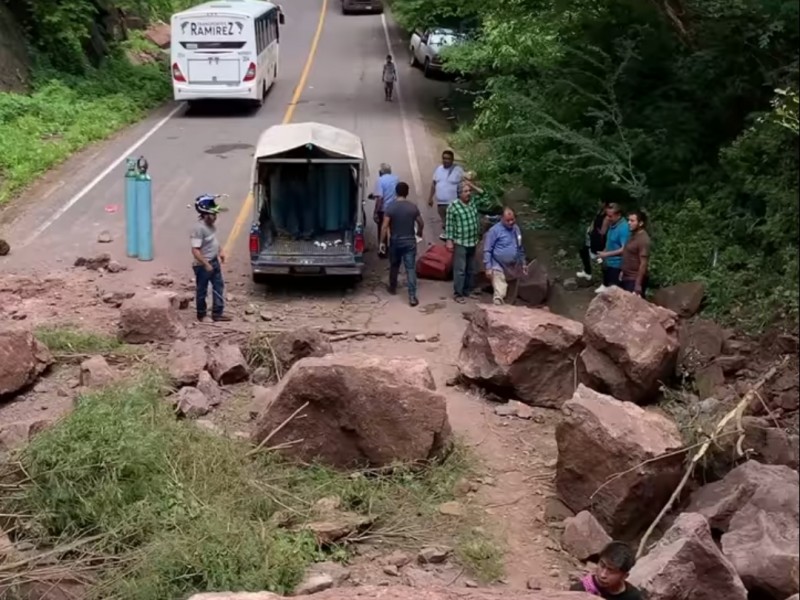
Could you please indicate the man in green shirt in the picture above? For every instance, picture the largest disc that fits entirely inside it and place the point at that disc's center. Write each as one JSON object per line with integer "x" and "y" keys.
{"x": 462, "y": 232}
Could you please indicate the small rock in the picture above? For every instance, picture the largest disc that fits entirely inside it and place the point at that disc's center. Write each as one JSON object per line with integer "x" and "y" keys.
{"x": 192, "y": 403}
{"x": 186, "y": 360}
{"x": 464, "y": 486}
{"x": 554, "y": 573}
{"x": 227, "y": 364}
{"x": 452, "y": 381}
{"x": 95, "y": 373}
{"x": 433, "y": 555}
{"x": 314, "y": 584}
{"x": 583, "y": 536}
{"x": 398, "y": 558}
{"x": 570, "y": 284}
{"x": 114, "y": 267}
{"x": 162, "y": 280}
{"x": 104, "y": 237}
{"x": 93, "y": 264}
{"x": 249, "y": 310}
{"x": 5, "y": 247}
{"x": 452, "y": 509}
{"x": 19, "y": 316}
{"x": 335, "y": 571}
{"x": 533, "y": 584}
{"x": 421, "y": 338}
{"x": 391, "y": 570}
{"x": 504, "y": 410}
{"x": 209, "y": 388}
{"x": 470, "y": 583}
{"x": 265, "y": 316}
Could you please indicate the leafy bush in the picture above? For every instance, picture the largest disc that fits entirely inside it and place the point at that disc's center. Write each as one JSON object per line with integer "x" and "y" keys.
{"x": 65, "y": 113}
{"x": 662, "y": 105}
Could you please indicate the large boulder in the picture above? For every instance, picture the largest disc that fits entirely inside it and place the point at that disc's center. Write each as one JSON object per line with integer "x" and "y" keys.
{"x": 684, "y": 299}
{"x": 291, "y": 346}
{"x": 399, "y": 592}
{"x": 362, "y": 411}
{"x": 641, "y": 339}
{"x": 150, "y": 318}
{"x": 605, "y": 462}
{"x": 687, "y": 565}
{"x": 22, "y": 359}
{"x": 527, "y": 353}
{"x": 701, "y": 343}
{"x": 534, "y": 288}
{"x": 756, "y": 506}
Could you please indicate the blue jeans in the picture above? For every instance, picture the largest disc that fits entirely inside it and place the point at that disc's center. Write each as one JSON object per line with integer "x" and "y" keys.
{"x": 405, "y": 252}
{"x": 203, "y": 278}
{"x": 463, "y": 270}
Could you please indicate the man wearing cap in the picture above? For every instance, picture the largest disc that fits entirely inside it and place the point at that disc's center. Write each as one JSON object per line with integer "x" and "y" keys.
{"x": 208, "y": 259}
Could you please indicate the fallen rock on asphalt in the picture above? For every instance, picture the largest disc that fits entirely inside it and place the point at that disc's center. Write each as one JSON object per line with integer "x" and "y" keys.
{"x": 528, "y": 353}
{"x": 602, "y": 437}
{"x": 95, "y": 373}
{"x": 291, "y": 346}
{"x": 227, "y": 364}
{"x": 687, "y": 565}
{"x": 147, "y": 318}
{"x": 95, "y": 263}
{"x": 369, "y": 592}
{"x": 583, "y": 537}
{"x": 684, "y": 299}
{"x": 641, "y": 339}
{"x": 362, "y": 411}
{"x": 22, "y": 359}
{"x": 186, "y": 360}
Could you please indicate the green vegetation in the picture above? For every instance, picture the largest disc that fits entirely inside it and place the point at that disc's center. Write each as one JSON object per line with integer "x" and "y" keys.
{"x": 481, "y": 555}
{"x": 84, "y": 88}
{"x": 159, "y": 508}
{"x": 72, "y": 340}
{"x": 686, "y": 108}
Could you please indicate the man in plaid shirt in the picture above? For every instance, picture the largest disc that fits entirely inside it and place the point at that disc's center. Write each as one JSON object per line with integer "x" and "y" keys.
{"x": 462, "y": 232}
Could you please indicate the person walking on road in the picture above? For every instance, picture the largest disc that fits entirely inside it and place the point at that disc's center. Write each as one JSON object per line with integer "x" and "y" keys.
{"x": 389, "y": 77}
{"x": 617, "y": 235}
{"x": 463, "y": 232}
{"x": 208, "y": 260}
{"x": 504, "y": 258}
{"x": 444, "y": 187}
{"x": 636, "y": 255}
{"x": 595, "y": 242}
{"x": 400, "y": 218}
{"x": 385, "y": 194}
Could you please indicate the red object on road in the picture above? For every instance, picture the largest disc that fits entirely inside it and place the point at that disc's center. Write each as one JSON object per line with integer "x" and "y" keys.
{"x": 435, "y": 263}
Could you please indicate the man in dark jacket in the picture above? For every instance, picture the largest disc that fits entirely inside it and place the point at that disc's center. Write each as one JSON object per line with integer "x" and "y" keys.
{"x": 594, "y": 242}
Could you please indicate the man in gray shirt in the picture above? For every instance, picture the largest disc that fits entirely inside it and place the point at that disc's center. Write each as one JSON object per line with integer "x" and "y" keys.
{"x": 208, "y": 258}
{"x": 398, "y": 227}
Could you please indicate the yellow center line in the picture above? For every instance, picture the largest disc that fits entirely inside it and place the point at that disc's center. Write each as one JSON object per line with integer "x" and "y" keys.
{"x": 247, "y": 205}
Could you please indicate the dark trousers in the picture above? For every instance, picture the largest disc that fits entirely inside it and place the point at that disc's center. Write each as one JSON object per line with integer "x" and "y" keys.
{"x": 388, "y": 88}
{"x": 629, "y": 285}
{"x": 611, "y": 276}
{"x": 403, "y": 252}
{"x": 203, "y": 278}
{"x": 586, "y": 259}
{"x": 463, "y": 269}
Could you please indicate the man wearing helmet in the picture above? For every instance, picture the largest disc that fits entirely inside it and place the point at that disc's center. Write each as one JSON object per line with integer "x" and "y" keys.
{"x": 208, "y": 258}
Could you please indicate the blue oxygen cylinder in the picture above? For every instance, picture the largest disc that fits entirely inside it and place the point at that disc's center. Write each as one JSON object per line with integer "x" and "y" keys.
{"x": 131, "y": 239}
{"x": 144, "y": 216}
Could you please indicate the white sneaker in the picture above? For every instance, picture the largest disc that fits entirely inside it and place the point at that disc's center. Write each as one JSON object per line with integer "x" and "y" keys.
{"x": 583, "y": 275}
{"x": 601, "y": 289}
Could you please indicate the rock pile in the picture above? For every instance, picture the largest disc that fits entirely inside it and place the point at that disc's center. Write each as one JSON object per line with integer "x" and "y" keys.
{"x": 22, "y": 360}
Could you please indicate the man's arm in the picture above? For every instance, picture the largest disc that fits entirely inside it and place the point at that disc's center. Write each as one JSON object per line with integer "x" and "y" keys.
{"x": 450, "y": 225}
{"x": 198, "y": 256}
{"x": 420, "y": 224}
{"x": 432, "y": 193}
{"x": 610, "y": 253}
{"x": 644, "y": 259}
{"x": 385, "y": 229}
{"x": 488, "y": 247}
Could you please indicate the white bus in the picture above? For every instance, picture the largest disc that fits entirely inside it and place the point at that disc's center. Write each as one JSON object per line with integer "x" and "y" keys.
{"x": 225, "y": 50}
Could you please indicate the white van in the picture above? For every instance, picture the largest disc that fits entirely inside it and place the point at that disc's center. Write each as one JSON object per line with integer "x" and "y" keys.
{"x": 225, "y": 50}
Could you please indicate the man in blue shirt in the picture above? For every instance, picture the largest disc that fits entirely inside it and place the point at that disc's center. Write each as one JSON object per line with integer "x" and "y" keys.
{"x": 617, "y": 236}
{"x": 385, "y": 194}
{"x": 444, "y": 187}
{"x": 504, "y": 258}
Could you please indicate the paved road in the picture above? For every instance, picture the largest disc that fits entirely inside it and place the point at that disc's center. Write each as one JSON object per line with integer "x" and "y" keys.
{"x": 210, "y": 151}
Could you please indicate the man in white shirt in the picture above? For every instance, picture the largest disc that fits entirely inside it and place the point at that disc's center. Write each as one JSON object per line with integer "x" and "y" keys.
{"x": 444, "y": 187}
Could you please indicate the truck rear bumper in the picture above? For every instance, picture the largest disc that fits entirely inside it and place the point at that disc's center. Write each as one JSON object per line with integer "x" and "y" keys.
{"x": 287, "y": 268}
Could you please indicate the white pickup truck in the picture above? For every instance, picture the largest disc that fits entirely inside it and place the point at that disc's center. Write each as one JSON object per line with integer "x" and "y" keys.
{"x": 425, "y": 47}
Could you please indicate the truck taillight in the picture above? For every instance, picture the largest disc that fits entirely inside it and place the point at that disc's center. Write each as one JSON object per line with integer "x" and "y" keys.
{"x": 255, "y": 243}
{"x": 358, "y": 243}
{"x": 251, "y": 72}
{"x": 176, "y": 73}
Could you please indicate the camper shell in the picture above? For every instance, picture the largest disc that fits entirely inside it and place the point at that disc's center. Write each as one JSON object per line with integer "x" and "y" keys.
{"x": 308, "y": 185}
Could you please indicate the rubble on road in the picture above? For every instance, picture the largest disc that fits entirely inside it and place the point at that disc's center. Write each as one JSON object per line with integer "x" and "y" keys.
{"x": 639, "y": 338}
{"x": 605, "y": 452}
{"x": 23, "y": 359}
{"x": 356, "y": 410}
{"x": 403, "y": 593}
{"x": 686, "y": 565}
{"x": 150, "y": 317}
{"x": 527, "y": 353}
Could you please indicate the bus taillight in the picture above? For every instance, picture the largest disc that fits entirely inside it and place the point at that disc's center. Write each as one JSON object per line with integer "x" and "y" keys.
{"x": 176, "y": 73}
{"x": 251, "y": 72}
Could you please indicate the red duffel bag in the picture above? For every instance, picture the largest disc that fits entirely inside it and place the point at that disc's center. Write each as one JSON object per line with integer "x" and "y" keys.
{"x": 435, "y": 263}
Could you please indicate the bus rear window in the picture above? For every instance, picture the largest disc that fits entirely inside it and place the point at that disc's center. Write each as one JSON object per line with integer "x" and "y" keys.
{"x": 212, "y": 45}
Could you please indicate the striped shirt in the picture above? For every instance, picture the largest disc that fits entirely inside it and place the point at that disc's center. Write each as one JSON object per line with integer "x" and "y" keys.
{"x": 463, "y": 224}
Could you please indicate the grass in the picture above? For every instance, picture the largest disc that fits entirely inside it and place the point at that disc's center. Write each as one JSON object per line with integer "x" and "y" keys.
{"x": 161, "y": 508}
{"x": 63, "y": 114}
{"x": 71, "y": 340}
{"x": 480, "y": 555}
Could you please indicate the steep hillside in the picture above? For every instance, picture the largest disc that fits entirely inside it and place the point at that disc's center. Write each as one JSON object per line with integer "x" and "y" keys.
{"x": 15, "y": 65}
